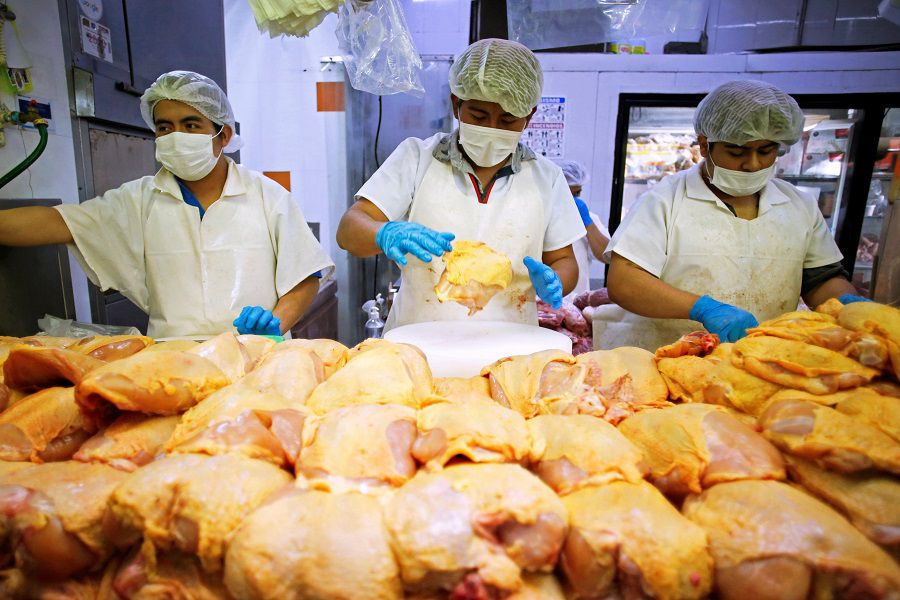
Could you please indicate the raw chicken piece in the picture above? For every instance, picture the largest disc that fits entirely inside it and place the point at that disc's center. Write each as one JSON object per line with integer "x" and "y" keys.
{"x": 771, "y": 541}
{"x": 474, "y": 273}
{"x": 691, "y": 447}
{"x": 798, "y": 365}
{"x": 479, "y": 430}
{"x": 131, "y": 441}
{"x": 877, "y": 319}
{"x": 884, "y": 387}
{"x": 592, "y": 298}
{"x": 313, "y": 546}
{"x": 831, "y": 307}
{"x": 191, "y": 503}
{"x": 332, "y": 353}
{"x": 44, "y": 427}
{"x": 697, "y": 343}
{"x": 871, "y": 407}
{"x": 687, "y": 377}
{"x": 227, "y": 353}
{"x": 256, "y": 346}
{"x": 163, "y": 383}
{"x": 377, "y": 372}
{"x": 626, "y": 540}
{"x": 16, "y": 585}
{"x": 172, "y": 345}
{"x": 368, "y": 444}
{"x": 111, "y": 347}
{"x": 570, "y": 452}
{"x": 474, "y": 527}
{"x": 461, "y": 389}
{"x": 830, "y": 438}
{"x": 239, "y": 419}
{"x": 538, "y": 587}
{"x": 517, "y": 382}
{"x": 152, "y": 575}
{"x": 51, "y": 517}
{"x": 31, "y": 368}
{"x": 292, "y": 372}
{"x": 871, "y": 502}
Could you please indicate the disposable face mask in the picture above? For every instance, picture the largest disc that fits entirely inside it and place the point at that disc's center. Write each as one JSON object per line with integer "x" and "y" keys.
{"x": 739, "y": 183}
{"x": 188, "y": 156}
{"x": 487, "y": 146}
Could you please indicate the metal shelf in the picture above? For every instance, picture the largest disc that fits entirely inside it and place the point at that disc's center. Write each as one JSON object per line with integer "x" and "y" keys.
{"x": 823, "y": 178}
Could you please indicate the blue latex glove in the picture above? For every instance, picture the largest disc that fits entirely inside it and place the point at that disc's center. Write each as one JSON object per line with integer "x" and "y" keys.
{"x": 545, "y": 281}
{"x": 399, "y": 238}
{"x": 851, "y": 298}
{"x": 730, "y": 323}
{"x": 584, "y": 211}
{"x": 258, "y": 321}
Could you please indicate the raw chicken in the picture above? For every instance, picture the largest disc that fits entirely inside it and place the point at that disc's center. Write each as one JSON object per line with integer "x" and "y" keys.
{"x": 332, "y": 353}
{"x": 878, "y": 319}
{"x": 477, "y": 430}
{"x": 377, "y": 372}
{"x": 771, "y": 541}
{"x": 873, "y": 408}
{"x": 163, "y": 383}
{"x": 131, "y": 441}
{"x": 227, "y": 353}
{"x": 152, "y": 575}
{"x": 366, "y": 444}
{"x": 31, "y": 368}
{"x": 16, "y": 585}
{"x": 871, "y": 502}
{"x": 292, "y": 372}
{"x": 830, "y": 438}
{"x": 538, "y": 587}
{"x": 494, "y": 522}
{"x": 239, "y": 419}
{"x": 697, "y": 343}
{"x": 51, "y": 517}
{"x": 191, "y": 503}
{"x": 256, "y": 346}
{"x": 626, "y": 541}
{"x": 313, "y": 546}
{"x": 172, "y": 345}
{"x": 111, "y": 347}
{"x": 592, "y": 298}
{"x": 517, "y": 382}
{"x": 798, "y": 365}
{"x": 570, "y": 452}
{"x": 461, "y": 389}
{"x": 44, "y": 427}
{"x": 473, "y": 274}
{"x": 831, "y": 307}
{"x": 691, "y": 447}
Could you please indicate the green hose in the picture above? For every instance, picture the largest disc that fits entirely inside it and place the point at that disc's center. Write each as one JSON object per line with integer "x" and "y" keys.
{"x": 29, "y": 160}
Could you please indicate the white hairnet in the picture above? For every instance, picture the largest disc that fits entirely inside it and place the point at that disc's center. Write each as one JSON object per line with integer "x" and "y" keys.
{"x": 738, "y": 112}
{"x": 500, "y": 71}
{"x": 197, "y": 91}
{"x": 574, "y": 171}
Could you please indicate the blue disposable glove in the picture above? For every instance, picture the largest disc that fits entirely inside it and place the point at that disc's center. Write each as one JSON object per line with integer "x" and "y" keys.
{"x": 545, "y": 281}
{"x": 851, "y": 298}
{"x": 398, "y": 238}
{"x": 730, "y": 323}
{"x": 584, "y": 211}
{"x": 258, "y": 321}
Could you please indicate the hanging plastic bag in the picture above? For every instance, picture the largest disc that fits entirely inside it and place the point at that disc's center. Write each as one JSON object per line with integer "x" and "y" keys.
{"x": 379, "y": 54}
{"x": 57, "y": 327}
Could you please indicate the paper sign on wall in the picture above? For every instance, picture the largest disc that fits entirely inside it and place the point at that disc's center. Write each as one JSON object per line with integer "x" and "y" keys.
{"x": 546, "y": 134}
{"x": 96, "y": 39}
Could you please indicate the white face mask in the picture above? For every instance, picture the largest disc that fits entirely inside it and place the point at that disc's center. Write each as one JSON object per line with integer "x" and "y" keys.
{"x": 487, "y": 146}
{"x": 739, "y": 183}
{"x": 188, "y": 156}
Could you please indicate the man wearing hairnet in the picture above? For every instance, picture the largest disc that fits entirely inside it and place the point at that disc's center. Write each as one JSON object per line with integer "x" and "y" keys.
{"x": 723, "y": 243}
{"x": 203, "y": 245}
{"x": 477, "y": 183}
{"x": 593, "y": 245}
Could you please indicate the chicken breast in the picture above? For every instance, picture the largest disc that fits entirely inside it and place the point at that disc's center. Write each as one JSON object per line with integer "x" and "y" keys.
{"x": 44, "y": 427}
{"x": 131, "y": 441}
{"x": 332, "y": 354}
{"x": 690, "y": 447}
{"x": 878, "y": 319}
{"x": 111, "y": 347}
{"x": 313, "y": 546}
{"x": 292, "y": 373}
{"x": 627, "y": 541}
{"x": 461, "y": 389}
{"x": 568, "y": 453}
{"x": 227, "y": 353}
{"x": 30, "y": 368}
{"x": 191, "y": 503}
{"x": 473, "y": 274}
{"x": 517, "y": 382}
{"x": 148, "y": 574}
{"x": 772, "y": 541}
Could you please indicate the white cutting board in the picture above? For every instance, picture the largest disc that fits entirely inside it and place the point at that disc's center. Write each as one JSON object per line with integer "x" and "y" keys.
{"x": 462, "y": 348}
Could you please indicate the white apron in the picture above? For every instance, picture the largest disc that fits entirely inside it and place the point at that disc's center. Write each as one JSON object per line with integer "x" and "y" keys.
{"x": 755, "y": 265}
{"x": 512, "y": 223}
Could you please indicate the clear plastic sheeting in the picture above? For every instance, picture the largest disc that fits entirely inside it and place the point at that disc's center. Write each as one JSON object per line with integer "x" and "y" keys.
{"x": 291, "y": 17}
{"x": 541, "y": 24}
{"x": 57, "y": 327}
{"x": 379, "y": 54}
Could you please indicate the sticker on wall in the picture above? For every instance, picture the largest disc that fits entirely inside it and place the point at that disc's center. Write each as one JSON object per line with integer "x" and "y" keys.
{"x": 92, "y": 9}
{"x": 546, "y": 133}
{"x": 96, "y": 39}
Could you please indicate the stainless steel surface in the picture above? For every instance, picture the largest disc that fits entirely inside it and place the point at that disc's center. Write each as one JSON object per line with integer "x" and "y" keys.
{"x": 84, "y": 93}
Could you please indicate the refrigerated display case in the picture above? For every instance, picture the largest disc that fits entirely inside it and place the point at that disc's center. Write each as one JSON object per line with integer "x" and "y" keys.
{"x": 837, "y": 161}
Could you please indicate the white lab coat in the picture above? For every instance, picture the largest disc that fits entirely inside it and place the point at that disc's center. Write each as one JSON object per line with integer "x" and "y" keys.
{"x": 526, "y": 214}
{"x": 193, "y": 277}
{"x": 584, "y": 256}
{"x": 680, "y": 232}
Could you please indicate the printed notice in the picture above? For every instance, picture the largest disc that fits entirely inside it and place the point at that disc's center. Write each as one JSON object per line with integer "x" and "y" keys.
{"x": 546, "y": 134}
{"x": 96, "y": 39}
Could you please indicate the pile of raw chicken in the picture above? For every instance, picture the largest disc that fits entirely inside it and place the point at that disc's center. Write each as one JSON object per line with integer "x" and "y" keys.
{"x": 239, "y": 468}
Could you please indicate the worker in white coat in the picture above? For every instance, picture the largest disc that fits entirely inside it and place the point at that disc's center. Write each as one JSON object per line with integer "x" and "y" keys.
{"x": 476, "y": 183}
{"x": 202, "y": 246}
{"x": 723, "y": 244}
{"x": 593, "y": 245}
